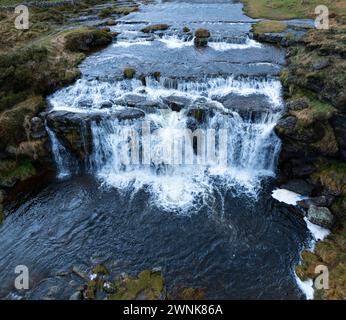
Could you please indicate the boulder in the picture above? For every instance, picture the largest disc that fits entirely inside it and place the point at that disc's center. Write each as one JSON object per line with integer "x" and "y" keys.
{"x": 85, "y": 39}
{"x": 322, "y": 201}
{"x": 37, "y": 128}
{"x": 73, "y": 129}
{"x": 251, "y": 106}
{"x": 129, "y": 73}
{"x": 296, "y": 104}
{"x": 201, "y": 37}
{"x": 299, "y": 186}
{"x": 155, "y": 27}
{"x": 320, "y": 216}
{"x": 176, "y": 103}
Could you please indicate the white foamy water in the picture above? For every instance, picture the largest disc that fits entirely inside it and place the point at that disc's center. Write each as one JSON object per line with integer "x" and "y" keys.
{"x": 174, "y": 42}
{"x": 252, "y": 146}
{"x": 287, "y": 196}
{"x": 126, "y": 44}
{"x": 224, "y": 46}
{"x": 306, "y": 287}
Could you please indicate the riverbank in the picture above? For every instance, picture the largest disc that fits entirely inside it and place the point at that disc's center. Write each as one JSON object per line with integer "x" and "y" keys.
{"x": 313, "y": 126}
{"x": 35, "y": 63}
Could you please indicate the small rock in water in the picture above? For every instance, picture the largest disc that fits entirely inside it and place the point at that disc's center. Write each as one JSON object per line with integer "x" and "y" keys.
{"x": 176, "y": 103}
{"x": 201, "y": 37}
{"x": 129, "y": 73}
{"x": 320, "y": 216}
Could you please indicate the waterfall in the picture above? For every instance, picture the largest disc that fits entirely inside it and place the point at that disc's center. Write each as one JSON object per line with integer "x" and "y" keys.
{"x": 66, "y": 166}
{"x": 251, "y": 146}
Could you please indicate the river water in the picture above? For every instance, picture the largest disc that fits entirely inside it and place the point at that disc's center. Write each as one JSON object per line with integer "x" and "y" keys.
{"x": 208, "y": 225}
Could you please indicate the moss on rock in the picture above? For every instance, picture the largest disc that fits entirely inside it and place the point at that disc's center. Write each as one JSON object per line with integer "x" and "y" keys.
{"x": 129, "y": 73}
{"x": 149, "y": 285}
{"x": 86, "y": 39}
{"x": 155, "y": 27}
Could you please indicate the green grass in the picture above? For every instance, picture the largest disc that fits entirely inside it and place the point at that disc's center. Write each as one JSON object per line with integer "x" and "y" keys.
{"x": 20, "y": 171}
{"x": 269, "y": 26}
{"x": 291, "y": 9}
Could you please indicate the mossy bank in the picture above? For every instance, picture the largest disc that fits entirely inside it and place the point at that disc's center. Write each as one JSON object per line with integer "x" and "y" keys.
{"x": 33, "y": 64}
{"x": 313, "y": 128}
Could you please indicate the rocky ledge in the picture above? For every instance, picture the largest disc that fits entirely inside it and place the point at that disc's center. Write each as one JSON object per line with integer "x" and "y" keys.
{"x": 313, "y": 133}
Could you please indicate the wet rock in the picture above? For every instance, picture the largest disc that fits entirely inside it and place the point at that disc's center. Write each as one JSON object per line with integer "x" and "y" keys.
{"x": 320, "y": 216}
{"x": 322, "y": 201}
{"x": 247, "y": 106}
{"x": 155, "y": 27}
{"x": 38, "y": 130}
{"x": 76, "y": 296}
{"x": 299, "y": 186}
{"x": 176, "y": 103}
{"x": 109, "y": 287}
{"x": 131, "y": 100}
{"x": 129, "y": 73}
{"x": 286, "y": 125}
{"x": 201, "y": 37}
{"x": 296, "y": 104}
{"x": 186, "y": 29}
{"x": 106, "y": 105}
{"x": 111, "y": 22}
{"x": 197, "y": 114}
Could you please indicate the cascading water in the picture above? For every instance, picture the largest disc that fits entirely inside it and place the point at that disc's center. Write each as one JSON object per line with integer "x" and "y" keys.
{"x": 251, "y": 145}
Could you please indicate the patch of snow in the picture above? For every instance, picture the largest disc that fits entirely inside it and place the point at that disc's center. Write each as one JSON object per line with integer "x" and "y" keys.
{"x": 286, "y": 196}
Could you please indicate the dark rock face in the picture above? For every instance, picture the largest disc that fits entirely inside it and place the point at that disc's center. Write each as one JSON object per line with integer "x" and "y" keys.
{"x": 176, "y": 103}
{"x": 73, "y": 129}
{"x": 320, "y": 216}
{"x": 299, "y": 186}
{"x": 247, "y": 106}
{"x": 322, "y": 201}
{"x": 296, "y": 104}
{"x": 201, "y": 37}
{"x": 286, "y": 126}
{"x": 339, "y": 125}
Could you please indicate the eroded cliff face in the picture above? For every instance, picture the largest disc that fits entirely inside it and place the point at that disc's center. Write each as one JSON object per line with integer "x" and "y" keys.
{"x": 313, "y": 134}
